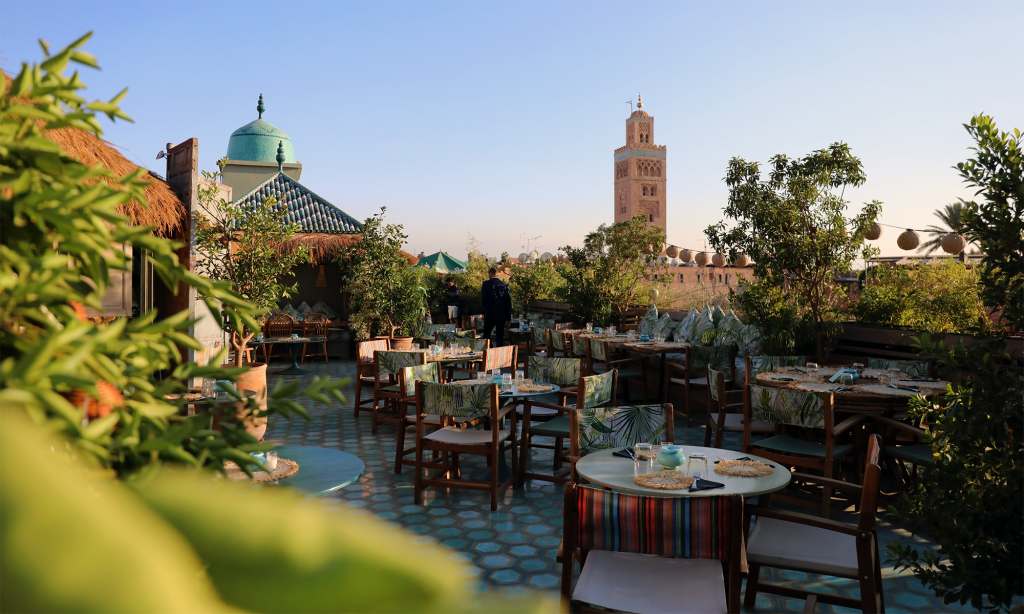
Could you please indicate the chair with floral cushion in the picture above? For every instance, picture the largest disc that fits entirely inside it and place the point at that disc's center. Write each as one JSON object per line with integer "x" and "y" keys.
{"x": 277, "y": 325}
{"x": 407, "y": 378}
{"x": 913, "y": 368}
{"x": 315, "y": 325}
{"x": 755, "y": 365}
{"x": 386, "y": 392}
{"x": 720, "y": 419}
{"x": 692, "y": 540}
{"x": 365, "y": 374}
{"x": 539, "y": 342}
{"x": 578, "y": 349}
{"x": 632, "y": 371}
{"x": 788, "y": 540}
{"x": 603, "y": 428}
{"x": 809, "y": 414}
{"x": 591, "y": 391}
{"x": 448, "y": 402}
{"x": 556, "y": 343}
{"x": 468, "y": 369}
{"x": 565, "y": 372}
{"x": 693, "y": 373}
{"x": 500, "y": 358}
{"x": 447, "y": 336}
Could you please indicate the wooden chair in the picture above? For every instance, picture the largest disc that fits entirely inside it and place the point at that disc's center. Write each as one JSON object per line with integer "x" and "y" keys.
{"x": 692, "y": 372}
{"x": 799, "y": 542}
{"x": 553, "y": 419}
{"x": 539, "y": 338}
{"x": 500, "y": 358}
{"x": 365, "y": 374}
{"x": 386, "y": 392}
{"x": 602, "y": 428}
{"x": 809, "y": 412}
{"x": 607, "y": 532}
{"x": 468, "y": 369}
{"x": 447, "y": 402}
{"x": 556, "y": 343}
{"x": 277, "y": 325}
{"x": 720, "y": 419}
{"x": 315, "y": 325}
{"x": 632, "y": 371}
{"x": 755, "y": 365}
{"x": 901, "y": 444}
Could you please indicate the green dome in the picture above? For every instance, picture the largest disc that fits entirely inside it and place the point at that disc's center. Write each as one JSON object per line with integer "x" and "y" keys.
{"x": 257, "y": 141}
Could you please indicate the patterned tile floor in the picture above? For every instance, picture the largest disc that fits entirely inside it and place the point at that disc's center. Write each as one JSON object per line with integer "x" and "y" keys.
{"x": 512, "y": 550}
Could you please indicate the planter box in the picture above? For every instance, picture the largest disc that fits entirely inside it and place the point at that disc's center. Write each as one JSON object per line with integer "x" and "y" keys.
{"x": 859, "y": 340}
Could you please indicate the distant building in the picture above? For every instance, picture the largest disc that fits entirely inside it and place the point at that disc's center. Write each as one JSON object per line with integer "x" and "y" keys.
{"x": 252, "y": 154}
{"x": 640, "y": 172}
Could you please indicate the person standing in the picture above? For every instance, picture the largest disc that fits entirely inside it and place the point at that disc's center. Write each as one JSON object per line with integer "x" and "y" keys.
{"x": 453, "y": 302}
{"x": 497, "y": 303}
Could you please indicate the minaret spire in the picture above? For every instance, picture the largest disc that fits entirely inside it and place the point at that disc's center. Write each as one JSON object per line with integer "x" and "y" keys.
{"x": 260, "y": 108}
{"x": 639, "y": 101}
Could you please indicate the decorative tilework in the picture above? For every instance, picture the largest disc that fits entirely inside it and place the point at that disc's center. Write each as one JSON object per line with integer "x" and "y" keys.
{"x": 311, "y": 212}
{"x": 657, "y": 154}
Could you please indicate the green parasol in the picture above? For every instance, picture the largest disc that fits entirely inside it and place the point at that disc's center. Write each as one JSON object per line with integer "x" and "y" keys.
{"x": 442, "y": 263}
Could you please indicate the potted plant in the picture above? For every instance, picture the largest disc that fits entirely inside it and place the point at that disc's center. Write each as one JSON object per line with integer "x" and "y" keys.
{"x": 242, "y": 248}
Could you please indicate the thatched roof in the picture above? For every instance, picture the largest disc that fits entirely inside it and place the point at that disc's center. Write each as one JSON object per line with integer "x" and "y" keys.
{"x": 165, "y": 210}
{"x": 325, "y": 247}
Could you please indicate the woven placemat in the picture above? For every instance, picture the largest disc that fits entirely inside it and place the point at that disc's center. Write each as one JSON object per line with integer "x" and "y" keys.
{"x": 285, "y": 468}
{"x": 742, "y": 468}
{"x": 886, "y": 390}
{"x": 535, "y": 388}
{"x": 664, "y": 480}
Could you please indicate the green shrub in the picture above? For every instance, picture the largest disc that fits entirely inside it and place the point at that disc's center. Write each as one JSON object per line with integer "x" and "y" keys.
{"x": 533, "y": 282}
{"x": 785, "y": 325}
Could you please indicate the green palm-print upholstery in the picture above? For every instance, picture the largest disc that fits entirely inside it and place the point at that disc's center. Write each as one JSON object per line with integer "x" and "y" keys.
{"x": 540, "y": 328}
{"x": 564, "y": 371}
{"x": 579, "y": 346}
{"x": 648, "y": 322}
{"x": 558, "y": 339}
{"x": 598, "y": 350}
{"x": 597, "y": 389}
{"x": 477, "y": 345}
{"x": 733, "y": 326}
{"x": 419, "y": 373}
{"x": 709, "y": 355}
{"x": 450, "y": 335}
{"x": 750, "y": 343}
{"x": 702, "y": 323}
{"x": 390, "y": 362}
{"x": 602, "y": 428}
{"x": 780, "y": 406}
{"x": 433, "y": 328}
{"x": 533, "y": 316}
{"x": 713, "y": 383}
{"x": 910, "y": 367}
{"x": 461, "y": 400}
{"x": 763, "y": 364}
{"x": 478, "y": 323}
{"x": 664, "y": 326}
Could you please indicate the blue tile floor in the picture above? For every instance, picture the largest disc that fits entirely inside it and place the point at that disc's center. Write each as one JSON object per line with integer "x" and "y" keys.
{"x": 511, "y": 551}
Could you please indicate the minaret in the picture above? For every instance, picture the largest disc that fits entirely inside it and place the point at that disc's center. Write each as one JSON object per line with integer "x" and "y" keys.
{"x": 640, "y": 171}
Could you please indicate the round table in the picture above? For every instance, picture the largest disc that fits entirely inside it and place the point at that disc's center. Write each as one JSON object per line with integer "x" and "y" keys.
{"x": 616, "y": 473}
{"x": 293, "y": 344}
{"x": 867, "y": 397}
{"x": 321, "y": 470}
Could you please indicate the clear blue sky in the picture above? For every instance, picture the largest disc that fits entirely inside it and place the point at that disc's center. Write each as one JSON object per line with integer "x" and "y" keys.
{"x": 499, "y": 118}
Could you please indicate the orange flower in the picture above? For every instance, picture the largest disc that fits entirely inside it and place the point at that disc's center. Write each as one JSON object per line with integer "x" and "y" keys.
{"x": 79, "y": 310}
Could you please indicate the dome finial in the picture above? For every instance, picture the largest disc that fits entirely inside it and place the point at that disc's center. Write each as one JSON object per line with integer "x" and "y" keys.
{"x": 639, "y": 101}
{"x": 280, "y": 156}
{"x": 260, "y": 108}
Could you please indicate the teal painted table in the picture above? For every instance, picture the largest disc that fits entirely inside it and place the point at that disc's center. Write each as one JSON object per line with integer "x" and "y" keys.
{"x": 321, "y": 470}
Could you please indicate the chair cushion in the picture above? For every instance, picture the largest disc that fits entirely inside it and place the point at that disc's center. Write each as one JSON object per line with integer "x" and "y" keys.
{"x": 394, "y": 388}
{"x": 556, "y": 427}
{"x": 462, "y": 437}
{"x": 734, "y": 423}
{"x": 788, "y": 545}
{"x": 787, "y": 444}
{"x": 368, "y": 379}
{"x": 920, "y": 454}
{"x": 538, "y": 412}
{"x": 639, "y": 583}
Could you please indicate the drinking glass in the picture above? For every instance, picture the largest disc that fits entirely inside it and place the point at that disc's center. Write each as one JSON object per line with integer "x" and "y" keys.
{"x": 611, "y": 330}
{"x": 481, "y": 376}
{"x": 630, "y": 335}
{"x": 519, "y": 374}
{"x": 895, "y": 375}
{"x": 209, "y": 387}
{"x": 846, "y": 379}
{"x": 496, "y": 372}
{"x": 884, "y": 379}
{"x": 506, "y": 381}
{"x": 590, "y": 327}
{"x": 644, "y": 460}
{"x": 415, "y": 346}
{"x": 271, "y": 462}
{"x": 812, "y": 368}
{"x": 858, "y": 367}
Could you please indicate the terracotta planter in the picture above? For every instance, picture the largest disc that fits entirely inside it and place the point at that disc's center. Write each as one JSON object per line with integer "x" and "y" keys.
{"x": 253, "y": 379}
{"x": 401, "y": 343}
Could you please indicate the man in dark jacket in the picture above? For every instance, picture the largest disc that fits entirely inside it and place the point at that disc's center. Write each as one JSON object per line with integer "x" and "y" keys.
{"x": 497, "y": 302}
{"x": 453, "y": 302}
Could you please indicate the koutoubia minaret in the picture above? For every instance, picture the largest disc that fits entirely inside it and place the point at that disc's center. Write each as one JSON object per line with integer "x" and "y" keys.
{"x": 640, "y": 171}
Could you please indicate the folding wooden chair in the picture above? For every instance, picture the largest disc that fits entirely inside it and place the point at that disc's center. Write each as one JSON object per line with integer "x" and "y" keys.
{"x": 720, "y": 419}
{"x": 315, "y": 325}
{"x": 632, "y": 371}
{"x": 386, "y": 397}
{"x": 277, "y": 325}
{"x": 692, "y": 372}
{"x": 365, "y": 374}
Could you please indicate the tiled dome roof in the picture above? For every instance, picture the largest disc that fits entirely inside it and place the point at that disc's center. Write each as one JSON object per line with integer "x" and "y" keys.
{"x": 310, "y": 211}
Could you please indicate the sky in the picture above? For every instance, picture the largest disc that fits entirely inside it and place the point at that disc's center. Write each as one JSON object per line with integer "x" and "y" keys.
{"x": 499, "y": 119}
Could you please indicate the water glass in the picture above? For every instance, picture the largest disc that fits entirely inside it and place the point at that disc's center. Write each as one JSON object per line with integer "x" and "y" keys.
{"x": 415, "y": 346}
{"x": 209, "y": 387}
{"x": 858, "y": 367}
{"x": 611, "y": 330}
{"x": 884, "y": 379}
{"x": 644, "y": 460}
{"x": 519, "y": 374}
{"x": 481, "y": 376}
{"x": 506, "y": 381}
{"x": 812, "y": 368}
{"x": 590, "y": 327}
{"x": 630, "y": 335}
{"x": 496, "y": 372}
{"x": 846, "y": 379}
{"x": 271, "y": 462}
{"x": 895, "y": 375}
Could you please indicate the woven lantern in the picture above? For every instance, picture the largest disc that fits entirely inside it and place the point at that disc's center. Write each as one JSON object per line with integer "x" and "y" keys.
{"x": 873, "y": 232}
{"x": 953, "y": 243}
{"x": 908, "y": 240}
{"x": 702, "y": 259}
{"x": 718, "y": 260}
{"x": 672, "y": 251}
{"x": 653, "y": 293}
{"x": 741, "y": 261}
{"x": 685, "y": 255}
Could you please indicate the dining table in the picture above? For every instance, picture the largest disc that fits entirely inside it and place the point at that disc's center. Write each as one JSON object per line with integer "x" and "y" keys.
{"x": 617, "y": 473}
{"x": 632, "y": 343}
{"x": 867, "y": 395}
{"x": 294, "y": 344}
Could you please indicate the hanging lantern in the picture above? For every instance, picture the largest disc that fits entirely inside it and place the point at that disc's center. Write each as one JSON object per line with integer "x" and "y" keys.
{"x": 653, "y": 293}
{"x": 686, "y": 255}
{"x": 718, "y": 260}
{"x": 953, "y": 243}
{"x": 908, "y": 240}
{"x": 873, "y": 232}
{"x": 702, "y": 259}
{"x": 741, "y": 261}
{"x": 672, "y": 251}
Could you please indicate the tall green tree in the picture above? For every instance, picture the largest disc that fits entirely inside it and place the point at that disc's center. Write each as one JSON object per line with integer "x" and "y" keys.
{"x": 793, "y": 225}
